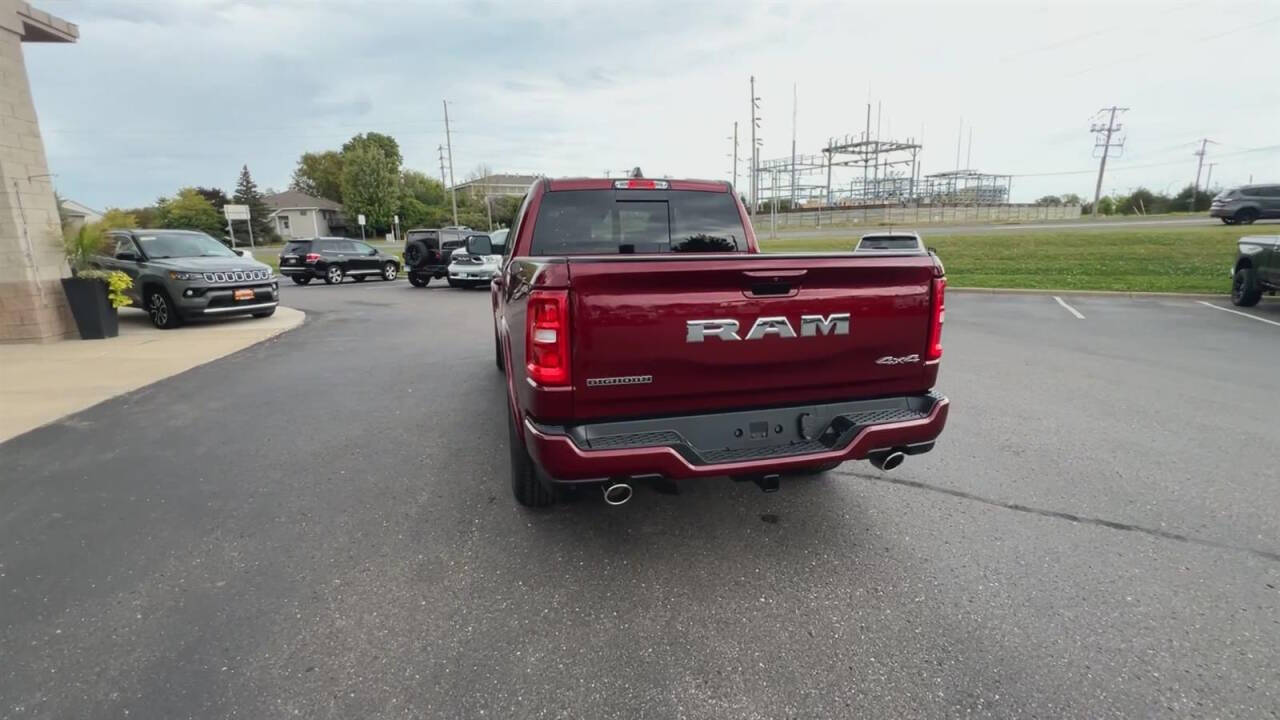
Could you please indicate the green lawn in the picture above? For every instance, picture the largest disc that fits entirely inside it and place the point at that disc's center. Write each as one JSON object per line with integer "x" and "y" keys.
{"x": 1183, "y": 259}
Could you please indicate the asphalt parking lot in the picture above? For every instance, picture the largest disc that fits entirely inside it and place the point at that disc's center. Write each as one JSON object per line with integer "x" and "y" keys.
{"x": 322, "y": 526}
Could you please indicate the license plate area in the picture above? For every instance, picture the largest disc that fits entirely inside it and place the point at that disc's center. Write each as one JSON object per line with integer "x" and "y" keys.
{"x": 242, "y": 294}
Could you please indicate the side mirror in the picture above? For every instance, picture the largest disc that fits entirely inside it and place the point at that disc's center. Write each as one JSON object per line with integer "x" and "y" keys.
{"x": 128, "y": 256}
{"x": 479, "y": 245}
{"x": 243, "y": 253}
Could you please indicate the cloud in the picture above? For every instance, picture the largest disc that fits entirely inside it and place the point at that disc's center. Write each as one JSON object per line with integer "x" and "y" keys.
{"x": 160, "y": 95}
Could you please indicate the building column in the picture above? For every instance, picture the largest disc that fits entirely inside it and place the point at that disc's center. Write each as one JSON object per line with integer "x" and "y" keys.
{"x": 32, "y": 304}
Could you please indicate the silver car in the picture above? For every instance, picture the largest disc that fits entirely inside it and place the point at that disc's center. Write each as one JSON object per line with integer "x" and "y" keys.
{"x": 180, "y": 274}
{"x": 473, "y": 264}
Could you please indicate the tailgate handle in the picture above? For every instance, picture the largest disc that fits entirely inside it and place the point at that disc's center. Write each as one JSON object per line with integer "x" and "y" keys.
{"x": 773, "y": 283}
{"x": 775, "y": 275}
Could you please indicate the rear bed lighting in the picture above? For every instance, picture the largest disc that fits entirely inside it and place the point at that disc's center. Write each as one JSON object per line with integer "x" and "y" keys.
{"x": 640, "y": 184}
{"x": 547, "y": 337}
{"x": 934, "y": 351}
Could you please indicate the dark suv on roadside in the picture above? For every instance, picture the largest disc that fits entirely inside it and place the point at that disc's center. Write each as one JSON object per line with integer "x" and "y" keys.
{"x": 333, "y": 258}
{"x": 1246, "y": 203}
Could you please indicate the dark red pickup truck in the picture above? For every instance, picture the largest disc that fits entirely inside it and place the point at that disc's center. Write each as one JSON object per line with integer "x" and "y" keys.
{"x": 646, "y": 336}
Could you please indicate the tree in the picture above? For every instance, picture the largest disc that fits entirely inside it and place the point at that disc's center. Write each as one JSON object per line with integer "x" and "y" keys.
{"x": 1182, "y": 201}
{"x": 319, "y": 174}
{"x": 1049, "y": 200}
{"x": 147, "y": 217}
{"x": 189, "y": 211}
{"x": 1071, "y": 199}
{"x": 387, "y": 144}
{"x": 370, "y": 185}
{"x": 117, "y": 219}
{"x": 215, "y": 196}
{"x": 1106, "y": 206}
{"x": 247, "y": 194}
{"x": 424, "y": 189}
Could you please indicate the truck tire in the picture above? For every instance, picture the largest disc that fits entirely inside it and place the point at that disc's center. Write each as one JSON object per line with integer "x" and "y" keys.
{"x": 300, "y": 279}
{"x": 333, "y": 275}
{"x": 526, "y": 486}
{"x": 418, "y": 280}
{"x": 1244, "y": 288}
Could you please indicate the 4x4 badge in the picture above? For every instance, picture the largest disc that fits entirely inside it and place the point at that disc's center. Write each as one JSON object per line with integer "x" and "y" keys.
{"x": 901, "y": 360}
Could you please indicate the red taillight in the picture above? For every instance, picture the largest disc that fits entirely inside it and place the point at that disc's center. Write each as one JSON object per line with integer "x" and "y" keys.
{"x": 547, "y": 337}
{"x": 313, "y": 257}
{"x": 934, "y": 351}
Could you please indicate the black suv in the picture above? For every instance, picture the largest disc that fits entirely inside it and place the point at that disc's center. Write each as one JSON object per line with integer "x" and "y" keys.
{"x": 427, "y": 252}
{"x": 333, "y": 259}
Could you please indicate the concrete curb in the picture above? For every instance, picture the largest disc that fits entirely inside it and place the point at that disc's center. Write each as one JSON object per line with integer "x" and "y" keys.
{"x": 1100, "y": 293}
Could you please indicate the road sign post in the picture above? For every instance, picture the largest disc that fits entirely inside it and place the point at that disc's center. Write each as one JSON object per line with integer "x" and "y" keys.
{"x": 237, "y": 212}
{"x": 360, "y": 219}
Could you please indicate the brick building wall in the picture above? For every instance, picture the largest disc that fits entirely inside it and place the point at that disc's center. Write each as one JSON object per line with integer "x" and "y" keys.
{"x": 32, "y": 304}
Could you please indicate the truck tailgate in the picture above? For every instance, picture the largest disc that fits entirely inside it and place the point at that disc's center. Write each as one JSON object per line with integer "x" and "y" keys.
{"x": 656, "y": 335}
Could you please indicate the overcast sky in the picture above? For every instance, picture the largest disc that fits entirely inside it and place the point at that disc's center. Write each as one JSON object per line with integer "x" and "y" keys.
{"x": 160, "y": 94}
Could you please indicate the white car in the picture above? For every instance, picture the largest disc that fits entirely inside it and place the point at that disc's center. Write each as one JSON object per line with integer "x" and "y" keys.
{"x": 470, "y": 266}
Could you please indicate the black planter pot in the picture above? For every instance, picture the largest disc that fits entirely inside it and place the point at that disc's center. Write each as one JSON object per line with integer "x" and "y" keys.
{"x": 95, "y": 317}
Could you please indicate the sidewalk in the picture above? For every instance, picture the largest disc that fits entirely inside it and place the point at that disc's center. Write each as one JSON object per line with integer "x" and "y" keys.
{"x": 40, "y": 383}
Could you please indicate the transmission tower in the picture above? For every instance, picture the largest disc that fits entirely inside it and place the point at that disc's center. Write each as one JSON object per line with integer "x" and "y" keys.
{"x": 755, "y": 145}
{"x": 1195, "y": 189}
{"x": 1105, "y": 140}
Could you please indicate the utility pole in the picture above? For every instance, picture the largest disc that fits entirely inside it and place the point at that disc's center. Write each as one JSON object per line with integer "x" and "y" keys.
{"x": 444, "y": 179}
{"x": 734, "y": 171}
{"x": 1195, "y": 189}
{"x": 755, "y": 154}
{"x": 1107, "y": 132}
{"x": 794, "y": 104}
{"x": 1208, "y": 182}
{"x": 453, "y": 192}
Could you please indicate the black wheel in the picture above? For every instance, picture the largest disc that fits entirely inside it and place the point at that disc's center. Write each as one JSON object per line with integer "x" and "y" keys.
{"x": 1244, "y": 288}
{"x": 390, "y": 271}
{"x": 334, "y": 275}
{"x": 419, "y": 280}
{"x": 1228, "y": 221}
{"x": 497, "y": 354}
{"x": 161, "y": 309}
{"x": 300, "y": 279}
{"x": 528, "y": 488}
{"x": 265, "y": 313}
{"x": 1246, "y": 216}
{"x": 454, "y": 283}
{"x": 358, "y": 278}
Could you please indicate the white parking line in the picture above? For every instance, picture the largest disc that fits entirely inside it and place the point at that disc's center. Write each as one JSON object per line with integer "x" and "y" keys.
{"x": 1237, "y": 312}
{"x": 1070, "y": 309}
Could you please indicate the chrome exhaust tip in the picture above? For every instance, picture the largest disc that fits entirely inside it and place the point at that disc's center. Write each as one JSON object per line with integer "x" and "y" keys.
{"x": 616, "y": 493}
{"x": 887, "y": 459}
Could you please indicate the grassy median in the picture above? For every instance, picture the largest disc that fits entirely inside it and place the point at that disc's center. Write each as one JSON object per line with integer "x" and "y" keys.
{"x": 1181, "y": 259}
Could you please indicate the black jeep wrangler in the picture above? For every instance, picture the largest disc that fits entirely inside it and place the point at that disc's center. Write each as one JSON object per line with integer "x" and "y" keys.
{"x": 1256, "y": 270}
{"x": 427, "y": 252}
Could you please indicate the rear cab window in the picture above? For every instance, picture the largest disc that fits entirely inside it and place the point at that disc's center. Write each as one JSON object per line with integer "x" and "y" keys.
{"x": 430, "y": 238}
{"x": 609, "y": 222}
{"x": 297, "y": 247}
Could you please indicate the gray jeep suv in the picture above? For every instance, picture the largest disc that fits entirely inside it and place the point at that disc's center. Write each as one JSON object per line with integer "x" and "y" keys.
{"x": 181, "y": 274}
